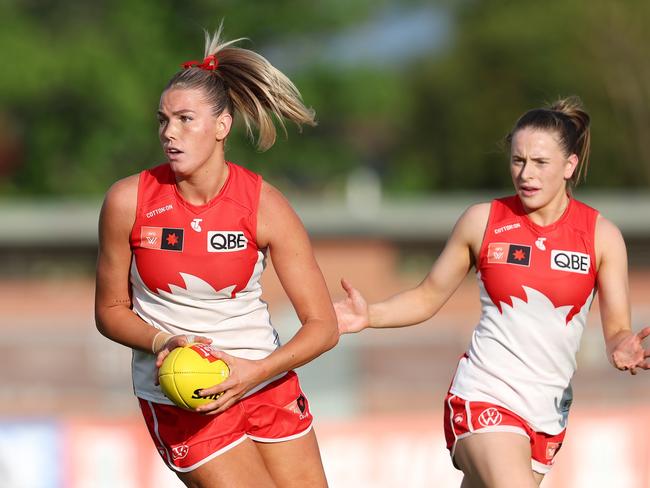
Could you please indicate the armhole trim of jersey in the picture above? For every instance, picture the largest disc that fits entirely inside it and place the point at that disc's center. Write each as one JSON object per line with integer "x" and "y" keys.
{"x": 592, "y": 240}
{"x": 138, "y": 206}
{"x": 490, "y": 218}
{"x": 256, "y": 208}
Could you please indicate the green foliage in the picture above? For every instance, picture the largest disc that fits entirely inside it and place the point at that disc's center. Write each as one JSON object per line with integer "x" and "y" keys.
{"x": 508, "y": 57}
{"x": 82, "y": 80}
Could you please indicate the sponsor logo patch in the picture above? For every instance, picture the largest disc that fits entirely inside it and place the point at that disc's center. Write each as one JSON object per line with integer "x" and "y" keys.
{"x": 489, "y": 417}
{"x": 196, "y": 225}
{"x": 164, "y": 238}
{"x": 497, "y": 252}
{"x": 505, "y": 253}
{"x": 150, "y": 237}
{"x": 571, "y": 261}
{"x": 506, "y": 228}
{"x": 226, "y": 241}
{"x": 158, "y": 211}
{"x": 518, "y": 254}
{"x": 539, "y": 243}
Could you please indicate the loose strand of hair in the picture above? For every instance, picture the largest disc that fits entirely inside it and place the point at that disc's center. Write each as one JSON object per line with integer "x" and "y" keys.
{"x": 259, "y": 91}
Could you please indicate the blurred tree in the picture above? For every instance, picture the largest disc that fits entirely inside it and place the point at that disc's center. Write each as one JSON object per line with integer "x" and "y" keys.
{"x": 82, "y": 81}
{"x": 77, "y": 106}
{"x": 510, "y": 56}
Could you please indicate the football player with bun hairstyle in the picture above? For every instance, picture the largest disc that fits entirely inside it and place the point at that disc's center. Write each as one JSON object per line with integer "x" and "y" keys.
{"x": 182, "y": 248}
{"x": 540, "y": 256}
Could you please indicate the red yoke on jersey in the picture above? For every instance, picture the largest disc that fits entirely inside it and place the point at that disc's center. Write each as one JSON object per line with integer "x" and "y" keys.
{"x": 557, "y": 260}
{"x": 215, "y": 242}
{"x": 196, "y": 269}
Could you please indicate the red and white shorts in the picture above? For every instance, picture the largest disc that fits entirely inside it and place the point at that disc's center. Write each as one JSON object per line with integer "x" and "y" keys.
{"x": 186, "y": 440}
{"x": 463, "y": 418}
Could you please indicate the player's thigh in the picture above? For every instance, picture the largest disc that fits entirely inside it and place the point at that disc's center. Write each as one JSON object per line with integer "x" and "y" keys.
{"x": 495, "y": 459}
{"x": 241, "y": 467}
{"x": 295, "y": 463}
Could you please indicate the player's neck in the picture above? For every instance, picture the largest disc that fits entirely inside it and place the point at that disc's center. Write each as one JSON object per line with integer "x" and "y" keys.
{"x": 551, "y": 212}
{"x": 205, "y": 184}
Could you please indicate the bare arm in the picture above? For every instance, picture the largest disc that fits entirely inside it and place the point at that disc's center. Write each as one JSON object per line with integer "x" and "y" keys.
{"x": 113, "y": 314}
{"x": 624, "y": 348}
{"x": 418, "y": 304}
{"x": 280, "y": 229}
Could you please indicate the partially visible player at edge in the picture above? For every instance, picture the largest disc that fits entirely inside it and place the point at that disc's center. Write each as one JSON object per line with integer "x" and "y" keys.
{"x": 182, "y": 248}
{"x": 540, "y": 256}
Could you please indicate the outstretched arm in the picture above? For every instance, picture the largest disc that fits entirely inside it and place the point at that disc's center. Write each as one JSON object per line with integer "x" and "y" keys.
{"x": 624, "y": 348}
{"x": 417, "y": 304}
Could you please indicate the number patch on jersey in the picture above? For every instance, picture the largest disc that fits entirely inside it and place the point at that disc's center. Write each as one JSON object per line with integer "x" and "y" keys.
{"x": 226, "y": 241}
{"x": 571, "y": 261}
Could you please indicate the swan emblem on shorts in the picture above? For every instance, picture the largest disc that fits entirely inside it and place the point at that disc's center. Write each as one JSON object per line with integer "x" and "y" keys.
{"x": 179, "y": 452}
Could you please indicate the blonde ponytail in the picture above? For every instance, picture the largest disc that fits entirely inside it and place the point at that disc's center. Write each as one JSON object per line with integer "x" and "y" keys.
{"x": 245, "y": 83}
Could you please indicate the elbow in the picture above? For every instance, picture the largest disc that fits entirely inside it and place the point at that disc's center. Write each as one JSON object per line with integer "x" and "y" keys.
{"x": 103, "y": 320}
{"x": 332, "y": 338}
{"x": 100, "y": 324}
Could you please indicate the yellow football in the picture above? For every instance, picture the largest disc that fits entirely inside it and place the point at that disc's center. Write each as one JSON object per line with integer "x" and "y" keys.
{"x": 188, "y": 370}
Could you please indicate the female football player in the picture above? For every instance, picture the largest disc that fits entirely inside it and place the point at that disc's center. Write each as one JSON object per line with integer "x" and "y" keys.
{"x": 182, "y": 248}
{"x": 540, "y": 256}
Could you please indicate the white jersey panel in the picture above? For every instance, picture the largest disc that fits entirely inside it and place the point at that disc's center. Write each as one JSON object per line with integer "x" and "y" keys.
{"x": 238, "y": 325}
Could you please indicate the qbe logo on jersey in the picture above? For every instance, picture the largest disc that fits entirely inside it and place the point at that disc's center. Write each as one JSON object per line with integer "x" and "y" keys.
{"x": 226, "y": 241}
{"x": 571, "y": 261}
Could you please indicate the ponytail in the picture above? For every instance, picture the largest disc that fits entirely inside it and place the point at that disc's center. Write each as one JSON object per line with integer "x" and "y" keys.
{"x": 243, "y": 82}
{"x": 578, "y": 140}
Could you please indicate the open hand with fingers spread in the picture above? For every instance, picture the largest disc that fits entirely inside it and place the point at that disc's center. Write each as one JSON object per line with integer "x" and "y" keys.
{"x": 352, "y": 312}
{"x": 629, "y": 354}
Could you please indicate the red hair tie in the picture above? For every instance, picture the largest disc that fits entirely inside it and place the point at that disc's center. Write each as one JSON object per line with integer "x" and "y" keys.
{"x": 210, "y": 63}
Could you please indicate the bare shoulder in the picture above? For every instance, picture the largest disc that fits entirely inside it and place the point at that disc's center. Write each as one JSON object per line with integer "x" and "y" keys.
{"x": 606, "y": 230}
{"x": 476, "y": 214}
{"x": 473, "y": 221}
{"x": 609, "y": 243}
{"x": 270, "y": 195}
{"x": 274, "y": 205}
{"x": 275, "y": 216}
{"x": 125, "y": 189}
{"x": 470, "y": 228}
{"x": 121, "y": 201}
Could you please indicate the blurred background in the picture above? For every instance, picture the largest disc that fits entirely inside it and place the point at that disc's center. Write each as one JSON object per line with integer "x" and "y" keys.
{"x": 413, "y": 99}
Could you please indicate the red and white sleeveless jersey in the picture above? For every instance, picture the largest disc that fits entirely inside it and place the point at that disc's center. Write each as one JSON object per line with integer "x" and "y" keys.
{"x": 196, "y": 269}
{"x": 536, "y": 284}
